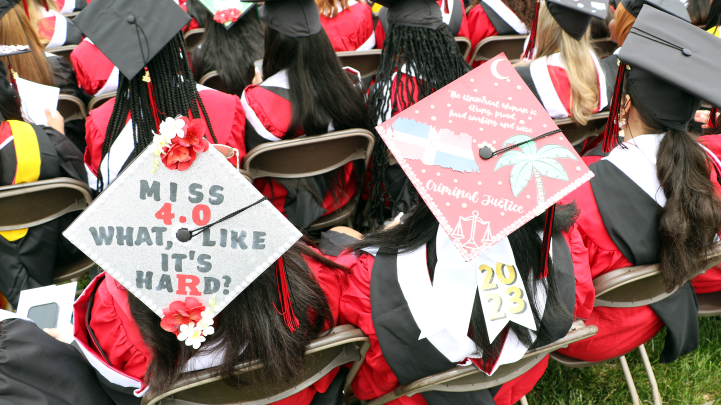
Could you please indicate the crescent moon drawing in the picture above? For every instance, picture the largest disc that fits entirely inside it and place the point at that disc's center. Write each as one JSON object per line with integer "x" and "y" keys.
{"x": 494, "y": 70}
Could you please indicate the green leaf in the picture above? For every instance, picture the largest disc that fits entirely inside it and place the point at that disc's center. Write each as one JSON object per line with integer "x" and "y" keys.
{"x": 550, "y": 168}
{"x": 555, "y": 152}
{"x": 528, "y": 148}
{"x": 520, "y": 176}
{"x": 512, "y": 157}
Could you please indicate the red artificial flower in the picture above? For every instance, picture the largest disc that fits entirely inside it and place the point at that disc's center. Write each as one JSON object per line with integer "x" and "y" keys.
{"x": 178, "y": 157}
{"x": 194, "y": 135}
{"x": 181, "y": 313}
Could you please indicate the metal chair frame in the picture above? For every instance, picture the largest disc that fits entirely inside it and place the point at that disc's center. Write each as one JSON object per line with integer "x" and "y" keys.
{"x": 365, "y": 62}
{"x": 488, "y": 48}
{"x": 353, "y": 342}
{"x": 212, "y": 79}
{"x": 632, "y": 287}
{"x": 193, "y": 37}
{"x": 63, "y": 51}
{"x": 321, "y": 155}
{"x": 464, "y": 45}
{"x": 71, "y": 108}
{"x": 470, "y": 378}
{"x": 97, "y": 101}
{"x": 31, "y": 204}
{"x": 576, "y": 134}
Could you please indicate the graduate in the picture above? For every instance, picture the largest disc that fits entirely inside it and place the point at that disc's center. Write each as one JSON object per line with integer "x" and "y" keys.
{"x": 348, "y": 23}
{"x": 305, "y": 92}
{"x": 453, "y": 14}
{"x": 565, "y": 73}
{"x": 30, "y": 153}
{"x": 229, "y": 47}
{"x": 656, "y": 197}
{"x": 155, "y": 84}
{"x": 419, "y": 58}
{"x": 53, "y": 28}
{"x": 487, "y": 18}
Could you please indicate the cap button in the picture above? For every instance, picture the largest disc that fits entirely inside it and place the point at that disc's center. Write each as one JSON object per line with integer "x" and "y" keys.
{"x": 686, "y": 52}
{"x": 183, "y": 235}
{"x": 485, "y": 153}
{"x": 131, "y": 19}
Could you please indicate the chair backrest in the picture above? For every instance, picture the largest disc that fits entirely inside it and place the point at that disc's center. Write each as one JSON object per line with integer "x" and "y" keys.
{"x": 636, "y": 286}
{"x": 63, "y": 51}
{"x": 97, "y": 101}
{"x": 343, "y": 345}
{"x": 71, "y": 108}
{"x": 310, "y": 155}
{"x": 578, "y": 133}
{"x": 511, "y": 45}
{"x": 470, "y": 378}
{"x": 604, "y": 46}
{"x": 193, "y": 37}
{"x": 366, "y": 62}
{"x": 31, "y": 204}
{"x": 213, "y": 80}
{"x": 72, "y": 15}
{"x": 464, "y": 45}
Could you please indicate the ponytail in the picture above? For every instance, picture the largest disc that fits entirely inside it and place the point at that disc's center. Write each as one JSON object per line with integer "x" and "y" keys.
{"x": 692, "y": 214}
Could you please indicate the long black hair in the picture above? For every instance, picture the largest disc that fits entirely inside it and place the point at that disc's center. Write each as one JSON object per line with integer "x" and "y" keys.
{"x": 714, "y": 16}
{"x": 419, "y": 228}
{"x": 249, "y": 328}
{"x": 175, "y": 94}
{"x": 231, "y": 52}
{"x": 321, "y": 93}
{"x": 691, "y": 217}
{"x": 432, "y": 56}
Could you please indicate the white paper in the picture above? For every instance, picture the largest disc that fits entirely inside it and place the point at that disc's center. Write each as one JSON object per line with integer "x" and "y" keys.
{"x": 63, "y": 295}
{"x": 35, "y": 99}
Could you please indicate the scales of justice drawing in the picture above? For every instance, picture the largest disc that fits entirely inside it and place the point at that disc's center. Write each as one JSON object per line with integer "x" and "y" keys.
{"x": 471, "y": 244}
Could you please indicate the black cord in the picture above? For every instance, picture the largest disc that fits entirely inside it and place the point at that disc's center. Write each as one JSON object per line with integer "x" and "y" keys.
{"x": 201, "y": 229}
{"x": 656, "y": 39}
{"x": 515, "y": 145}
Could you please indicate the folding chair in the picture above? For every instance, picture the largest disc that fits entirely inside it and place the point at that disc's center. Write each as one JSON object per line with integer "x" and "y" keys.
{"x": 71, "y": 108}
{"x": 213, "y": 80}
{"x": 63, "y": 51}
{"x": 604, "y": 46}
{"x": 72, "y": 15}
{"x": 344, "y": 344}
{"x": 193, "y": 38}
{"x": 310, "y": 156}
{"x": 366, "y": 62}
{"x": 631, "y": 287}
{"x": 709, "y": 304}
{"x": 97, "y": 101}
{"x": 464, "y": 45}
{"x": 470, "y": 378}
{"x": 511, "y": 45}
{"x": 31, "y": 204}
{"x": 576, "y": 134}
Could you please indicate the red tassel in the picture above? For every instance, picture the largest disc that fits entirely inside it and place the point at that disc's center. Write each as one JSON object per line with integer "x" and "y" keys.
{"x": 14, "y": 84}
{"x": 46, "y": 5}
{"x": 546, "y": 246}
{"x": 151, "y": 95}
{"x": 610, "y": 137}
{"x": 712, "y": 118}
{"x": 25, "y": 5}
{"x": 284, "y": 295}
{"x": 448, "y": 10}
{"x": 528, "y": 54}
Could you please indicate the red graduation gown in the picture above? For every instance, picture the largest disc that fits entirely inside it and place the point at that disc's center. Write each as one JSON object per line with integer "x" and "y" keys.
{"x": 351, "y": 29}
{"x": 119, "y": 337}
{"x": 96, "y": 74}
{"x": 375, "y": 377}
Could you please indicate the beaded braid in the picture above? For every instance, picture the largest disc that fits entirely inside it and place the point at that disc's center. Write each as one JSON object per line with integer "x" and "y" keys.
{"x": 175, "y": 93}
{"x": 431, "y": 55}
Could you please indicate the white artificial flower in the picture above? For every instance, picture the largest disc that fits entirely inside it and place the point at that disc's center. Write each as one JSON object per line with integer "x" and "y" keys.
{"x": 159, "y": 142}
{"x": 172, "y": 127}
{"x": 206, "y": 322}
{"x": 192, "y": 335}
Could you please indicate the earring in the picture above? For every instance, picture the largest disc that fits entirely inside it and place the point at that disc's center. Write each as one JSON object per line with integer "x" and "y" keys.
{"x": 622, "y": 122}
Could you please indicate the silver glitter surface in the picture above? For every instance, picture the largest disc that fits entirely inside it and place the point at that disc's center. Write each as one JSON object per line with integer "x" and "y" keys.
{"x": 221, "y": 262}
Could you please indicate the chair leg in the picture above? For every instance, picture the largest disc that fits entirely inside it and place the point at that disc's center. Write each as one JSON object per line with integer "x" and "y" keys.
{"x": 629, "y": 380}
{"x": 651, "y": 376}
{"x": 524, "y": 401}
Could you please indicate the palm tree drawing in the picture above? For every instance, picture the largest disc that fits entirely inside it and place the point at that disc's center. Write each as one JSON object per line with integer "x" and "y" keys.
{"x": 528, "y": 161}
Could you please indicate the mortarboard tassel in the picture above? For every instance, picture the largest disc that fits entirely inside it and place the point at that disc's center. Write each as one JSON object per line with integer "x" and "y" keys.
{"x": 712, "y": 118}
{"x": 13, "y": 83}
{"x": 25, "y": 5}
{"x": 447, "y": 9}
{"x": 610, "y": 137}
{"x": 151, "y": 96}
{"x": 284, "y": 296}
{"x": 546, "y": 245}
{"x": 532, "y": 36}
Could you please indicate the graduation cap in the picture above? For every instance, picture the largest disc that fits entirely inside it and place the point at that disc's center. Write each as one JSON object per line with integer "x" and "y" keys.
{"x": 413, "y": 13}
{"x": 7, "y": 5}
{"x": 8, "y": 51}
{"x": 227, "y": 12}
{"x": 294, "y": 18}
{"x": 670, "y": 66}
{"x": 191, "y": 233}
{"x": 673, "y": 7}
{"x": 573, "y": 16}
{"x": 131, "y": 32}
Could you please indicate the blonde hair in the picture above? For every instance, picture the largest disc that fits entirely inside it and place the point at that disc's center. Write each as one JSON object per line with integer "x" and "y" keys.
{"x": 36, "y": 17}
{"x": 15, "y": 29}
{"x": 328, "y": 8}
{"x": 576, "y": 58}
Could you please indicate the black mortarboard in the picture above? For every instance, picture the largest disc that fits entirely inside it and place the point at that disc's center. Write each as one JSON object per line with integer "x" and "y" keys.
{"x": 294, "y": 18}
{"x": 414, "y": 13}
{"x": 574, "y": 16}
{"x": 673, "y": 7}
{"x": 131, "y": 32}
{"x": 7, "y": 5}
{"x": 227, "y": 12}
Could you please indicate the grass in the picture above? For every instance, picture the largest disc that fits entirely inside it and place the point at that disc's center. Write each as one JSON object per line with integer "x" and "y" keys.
{"x": 692, "y": 379}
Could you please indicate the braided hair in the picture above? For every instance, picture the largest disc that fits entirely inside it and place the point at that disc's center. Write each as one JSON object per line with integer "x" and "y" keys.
{"x": 431, "y": 55}
{"x": 175, "y": 93}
